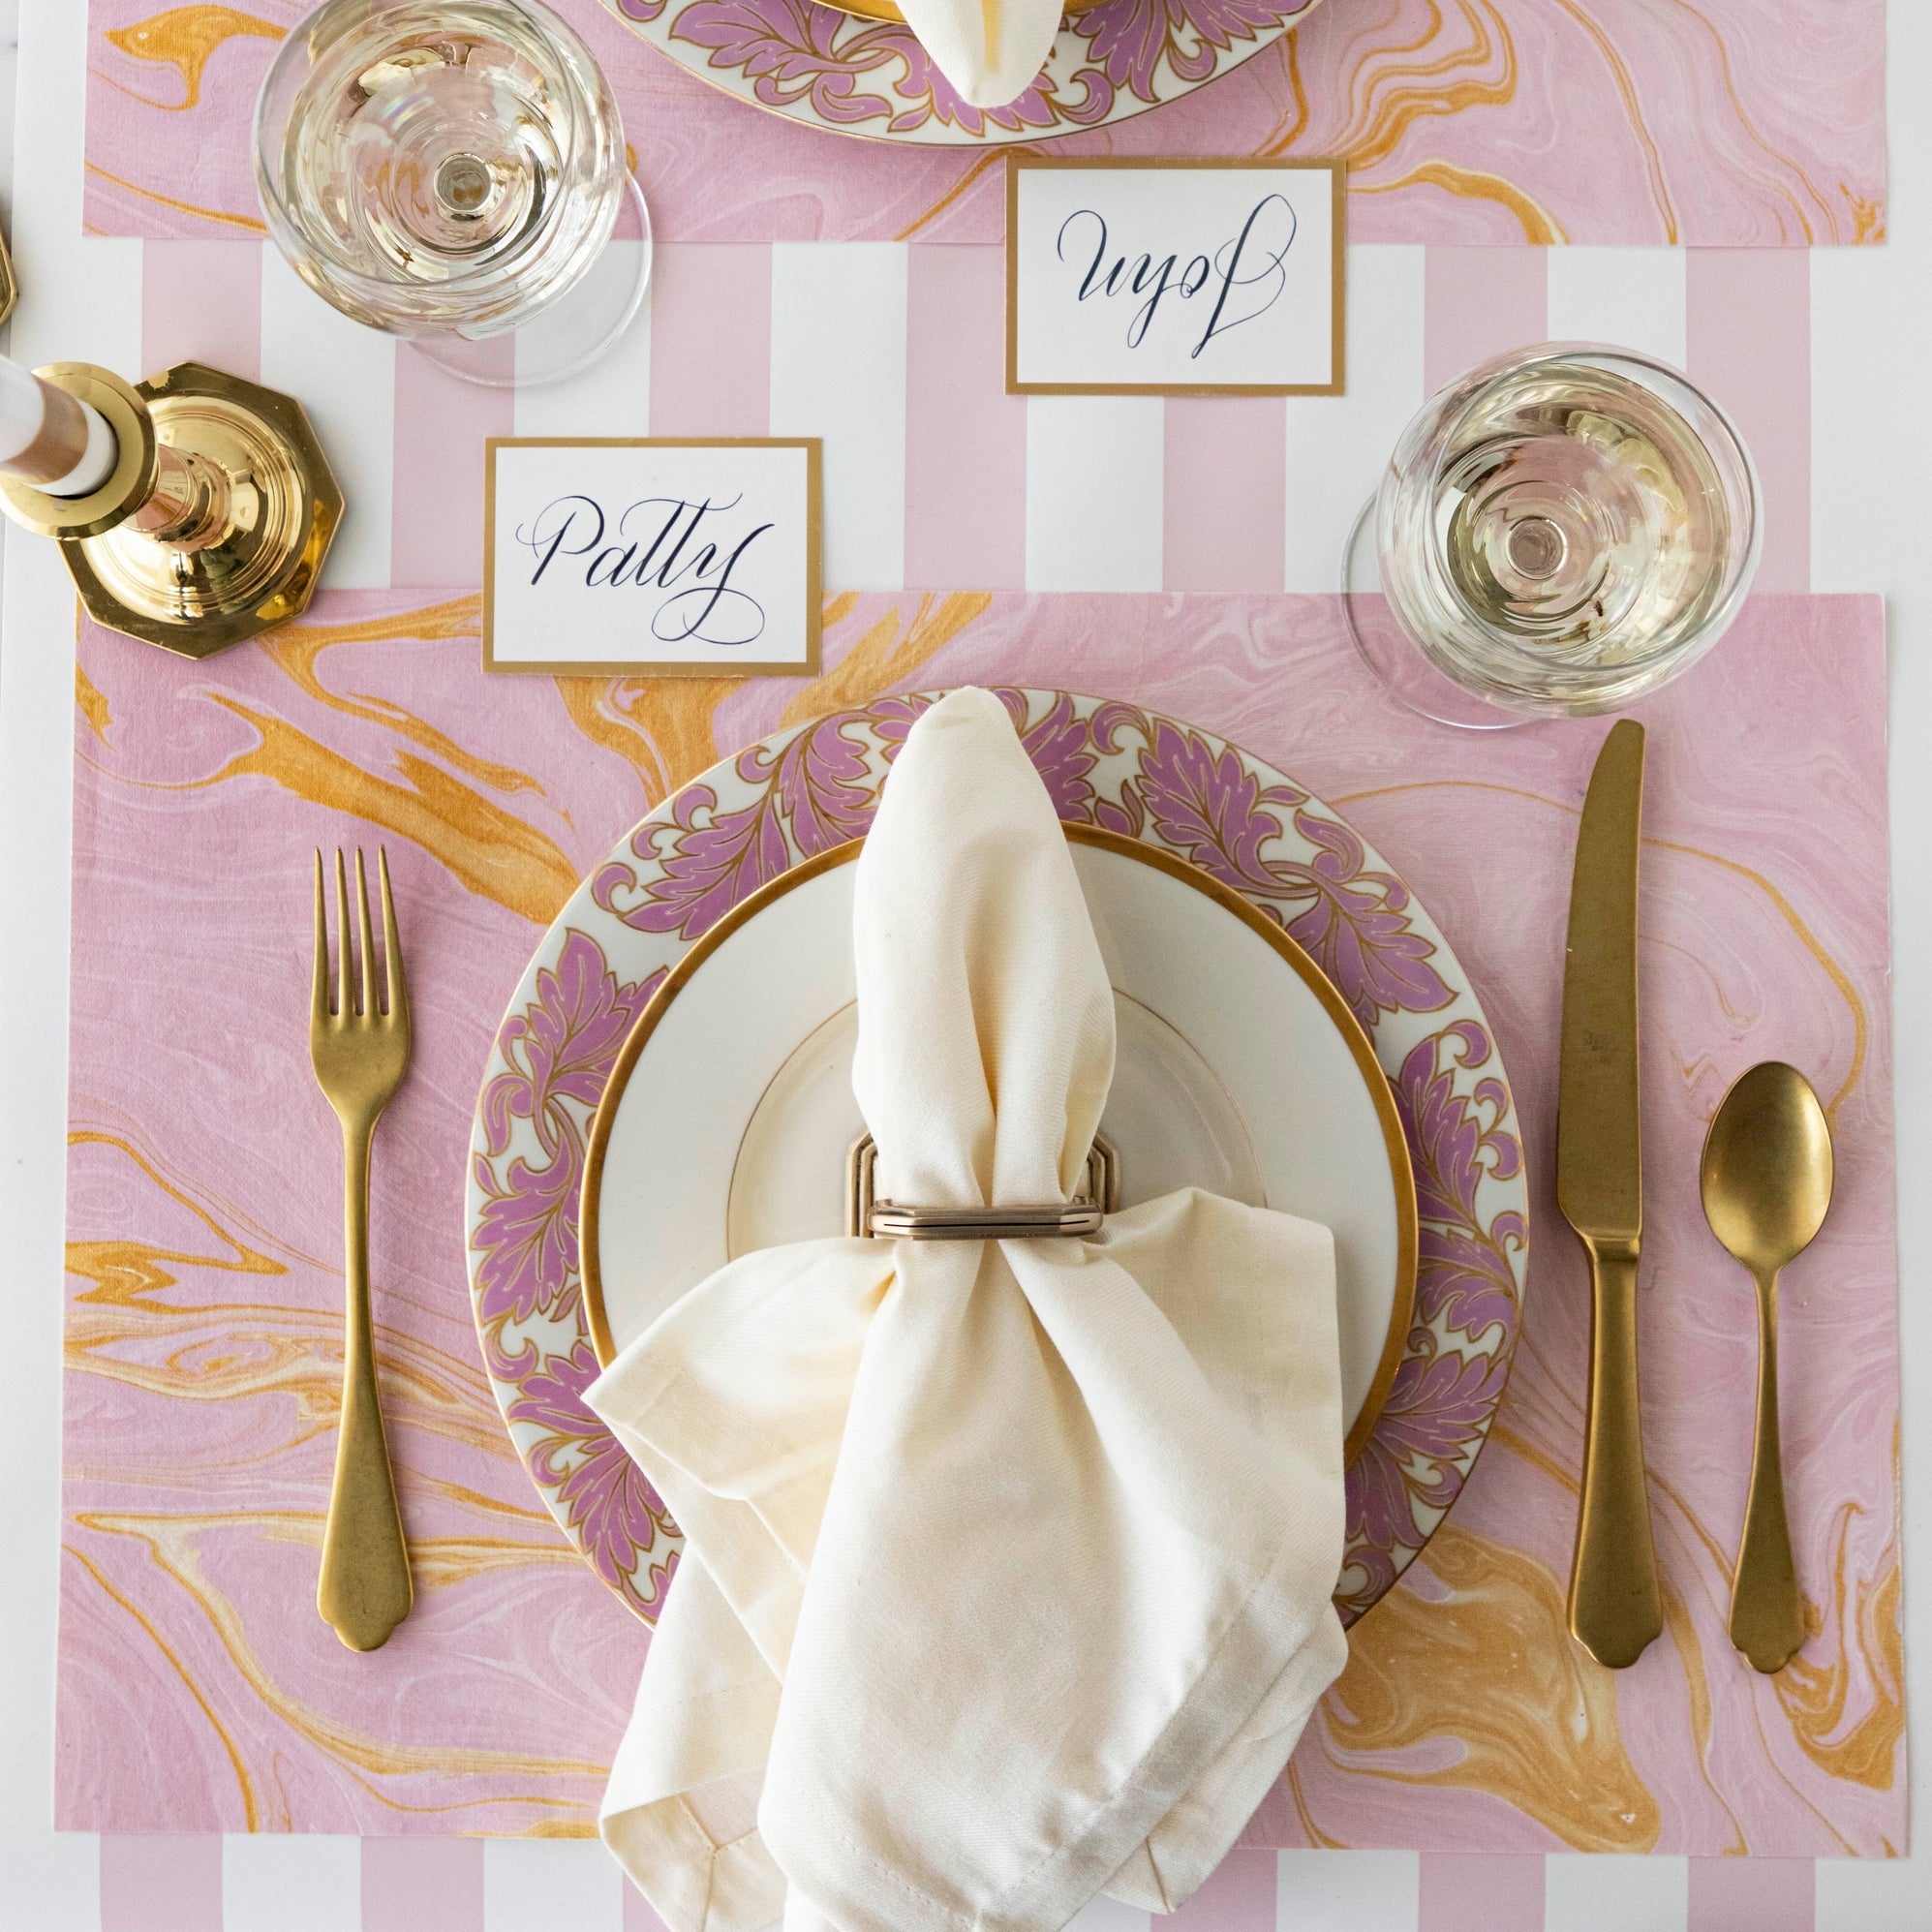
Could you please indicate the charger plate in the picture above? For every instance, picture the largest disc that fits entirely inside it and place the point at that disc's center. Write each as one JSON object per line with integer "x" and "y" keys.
{"x": 725, "y": 1125}
{"x": 828, "y": 67}
{"x": 802, "y": 793}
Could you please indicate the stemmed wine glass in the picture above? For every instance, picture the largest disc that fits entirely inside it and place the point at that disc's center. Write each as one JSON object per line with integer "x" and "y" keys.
{"x": 452, "y": 170}
{"x": 1559, "y": 532}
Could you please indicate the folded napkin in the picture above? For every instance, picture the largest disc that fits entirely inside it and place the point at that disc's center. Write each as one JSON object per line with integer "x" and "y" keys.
{"x": 991, "y": 51}
{"x": 1008, "y": 1564}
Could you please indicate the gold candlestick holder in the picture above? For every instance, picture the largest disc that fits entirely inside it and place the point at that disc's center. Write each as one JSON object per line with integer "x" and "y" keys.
{"x": 214, "y": 522}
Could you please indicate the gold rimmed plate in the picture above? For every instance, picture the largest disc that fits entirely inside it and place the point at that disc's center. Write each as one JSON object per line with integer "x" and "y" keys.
{"x": 725, "y": 1124}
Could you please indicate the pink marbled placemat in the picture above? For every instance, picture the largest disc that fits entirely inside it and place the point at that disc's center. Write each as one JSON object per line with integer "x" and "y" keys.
{"x": 199, "y": 1691}
{"x": 1723, "y": 123}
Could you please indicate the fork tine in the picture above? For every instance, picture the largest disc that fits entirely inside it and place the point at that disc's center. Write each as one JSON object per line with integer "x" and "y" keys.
{"x": 365, "y": 998}
{"x": 397, "y": 999}
{"x": 318, "y": 994}
{"x": 345, "y": 963}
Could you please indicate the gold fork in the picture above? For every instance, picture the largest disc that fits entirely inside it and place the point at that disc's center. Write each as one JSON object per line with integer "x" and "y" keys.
{"x": 361, "y": 1050}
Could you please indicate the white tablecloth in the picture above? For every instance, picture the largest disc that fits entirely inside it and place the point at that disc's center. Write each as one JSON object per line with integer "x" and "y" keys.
{"x": 1871, "y": 405}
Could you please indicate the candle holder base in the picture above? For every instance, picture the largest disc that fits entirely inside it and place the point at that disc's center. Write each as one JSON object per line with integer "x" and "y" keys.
{"x": 215, "y": 522}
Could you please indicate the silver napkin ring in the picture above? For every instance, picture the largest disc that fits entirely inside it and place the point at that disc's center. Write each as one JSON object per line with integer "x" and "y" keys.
{"x": 1053, "y": 1220}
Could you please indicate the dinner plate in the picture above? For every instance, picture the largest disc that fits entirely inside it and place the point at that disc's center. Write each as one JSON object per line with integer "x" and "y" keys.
{"x": 797, "y": 797}
{"x": 728, "y": 1118}
{"x": 828, "y": 67}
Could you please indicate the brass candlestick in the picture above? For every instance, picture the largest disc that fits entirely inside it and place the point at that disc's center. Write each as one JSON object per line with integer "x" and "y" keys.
{"x": 212, "y": 523}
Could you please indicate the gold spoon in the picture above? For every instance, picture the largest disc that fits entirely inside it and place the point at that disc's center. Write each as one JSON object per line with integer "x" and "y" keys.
{"x": 1766, "y": 1175}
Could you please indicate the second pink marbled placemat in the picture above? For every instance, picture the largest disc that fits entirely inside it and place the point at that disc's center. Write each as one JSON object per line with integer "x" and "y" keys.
{"x": 1726, "y": 124}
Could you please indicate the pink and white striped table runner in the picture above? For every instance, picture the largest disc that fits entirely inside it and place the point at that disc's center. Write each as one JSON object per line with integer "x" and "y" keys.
{"x": 934, "y": 478}
{"x": 534, "y": 1885}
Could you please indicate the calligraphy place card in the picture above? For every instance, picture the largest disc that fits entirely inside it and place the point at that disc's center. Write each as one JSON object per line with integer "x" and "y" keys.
{"x": 1174, "y": 278}
{"x": 647, "y": 554}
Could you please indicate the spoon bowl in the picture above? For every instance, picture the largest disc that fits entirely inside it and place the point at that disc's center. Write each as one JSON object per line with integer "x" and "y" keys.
{"x": 1768, "y": 1168}
{"x": 1767, "y": 1176}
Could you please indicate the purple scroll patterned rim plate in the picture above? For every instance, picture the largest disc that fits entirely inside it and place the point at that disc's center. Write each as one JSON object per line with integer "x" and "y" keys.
{"x": 1107, "y": 763}
{"x": 825, "y": 67}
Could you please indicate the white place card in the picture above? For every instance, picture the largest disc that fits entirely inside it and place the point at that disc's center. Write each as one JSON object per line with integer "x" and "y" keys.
{"x": 1174, "y": 278}
{"x": 648, "y": 554}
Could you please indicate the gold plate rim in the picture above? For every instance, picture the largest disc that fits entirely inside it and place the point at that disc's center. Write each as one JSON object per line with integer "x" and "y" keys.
{"x": 1361, "y": 1048}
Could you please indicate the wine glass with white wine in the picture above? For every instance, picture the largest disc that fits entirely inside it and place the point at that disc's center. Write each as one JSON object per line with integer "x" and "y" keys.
{"x": 452, "y": 170}
{"x": 1558, "y": 532}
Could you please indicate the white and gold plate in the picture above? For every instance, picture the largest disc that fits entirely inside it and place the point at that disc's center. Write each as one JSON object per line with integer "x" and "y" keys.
{"x": 1262, "y": 956}
{"x": 729, "y": 1118}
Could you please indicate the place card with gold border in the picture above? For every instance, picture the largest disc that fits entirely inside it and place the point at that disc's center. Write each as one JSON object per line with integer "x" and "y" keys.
{"x": 665, "y": 557}
{"x": 1196, "y": 276}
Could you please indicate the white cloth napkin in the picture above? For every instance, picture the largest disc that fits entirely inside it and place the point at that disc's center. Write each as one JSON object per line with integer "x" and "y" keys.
{"x": 1008, "y": 1564}
{"x": 991, "y": 51}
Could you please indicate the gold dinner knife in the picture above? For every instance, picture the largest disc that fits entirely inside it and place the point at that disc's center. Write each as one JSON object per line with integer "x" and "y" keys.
{"x": 1613, "y": 1606}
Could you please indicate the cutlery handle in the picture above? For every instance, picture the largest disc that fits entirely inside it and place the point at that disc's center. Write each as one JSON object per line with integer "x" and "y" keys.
{"x": 1613, "y": 1603}
{"x": 1767, "y": 1616}
{"x": 365, "y": 1590}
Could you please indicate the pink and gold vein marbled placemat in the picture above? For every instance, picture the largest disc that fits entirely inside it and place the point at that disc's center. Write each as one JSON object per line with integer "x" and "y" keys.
{"x": 198, "y": 1690}
{"x": 1716, "y": 123}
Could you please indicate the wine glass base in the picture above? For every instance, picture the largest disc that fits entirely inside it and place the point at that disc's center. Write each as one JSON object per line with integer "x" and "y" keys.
{"x": 1385, "y": 648}
{"x": 577, "y": 330}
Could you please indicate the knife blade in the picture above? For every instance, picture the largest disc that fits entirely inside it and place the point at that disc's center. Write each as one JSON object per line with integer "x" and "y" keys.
{"x": 1614, "y": 1607}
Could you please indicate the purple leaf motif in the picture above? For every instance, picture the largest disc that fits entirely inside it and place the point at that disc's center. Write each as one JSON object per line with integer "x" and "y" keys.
{"x": 1453, "y": 1146}
{"x": 892, "y": 718}
{"x": 560, "y": 1047}
{"x": 1112, "y": 721}
{"x": 1128, "y": 818}
{"x": 1131, "y": 39}
{"x": 1204, "y": 800}
{"x": 1356, "y": 926}
{"x": 1206, "y": 803}
{"x": 714, "y": 860}
{"x": 563, "y": 1045}
{"x": 1061, "y": 748}
{"x": 1463, "y": 1277}
{"x": 794, "y": 53}
{"x": 817, "y": 787}
{"x": 1437, "y": 1410}
{"x": 606, "y": 1499}
{"x": 820, "y": 782}
{"x": 526, "y": 1238}
{"x": 1443, "y": 1397}
{"x": 1463, "y": 1280}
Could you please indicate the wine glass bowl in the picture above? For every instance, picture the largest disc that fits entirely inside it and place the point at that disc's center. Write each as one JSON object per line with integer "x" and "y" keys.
{"x": 1559, "y": 532}
{"x": 448, "y": 170}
